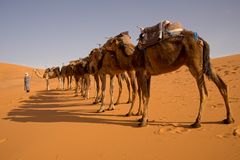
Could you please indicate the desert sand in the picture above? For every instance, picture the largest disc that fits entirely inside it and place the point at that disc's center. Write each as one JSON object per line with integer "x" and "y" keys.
{"x": 55, "y": 125}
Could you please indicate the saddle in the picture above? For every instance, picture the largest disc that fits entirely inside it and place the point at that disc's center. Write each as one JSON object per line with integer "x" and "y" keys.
{"x": 152, "y": 35}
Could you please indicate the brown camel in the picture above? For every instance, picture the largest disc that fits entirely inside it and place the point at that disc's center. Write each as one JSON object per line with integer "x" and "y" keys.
{"x": 67, "y": 72}
{"x": 168, "y": 55}
{"x": 51, "y": 73}
{"x": 124, "y": 63}
{"x": 103, "y": 62}
{"x": 81, "y": 76}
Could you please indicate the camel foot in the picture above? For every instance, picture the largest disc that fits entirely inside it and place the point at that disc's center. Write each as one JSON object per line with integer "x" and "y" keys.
{"x": 141, "y": 120}
{"x": 195, "y": 125}
{"x": 129, "y": 101}
{"x": 117, "y": 103}
{"x": 228, "y": 121}
{"x": 143, "y": 123}
{"x": 100, "y": 110}
{"x": 129, "y": 114}
{"x": 138, "y": 114}
{"x": 110, "y": 109}
{"x": 96, "y": 101}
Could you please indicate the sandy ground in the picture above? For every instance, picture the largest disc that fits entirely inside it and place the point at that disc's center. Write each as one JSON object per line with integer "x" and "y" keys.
{"x": 55, "y": 125}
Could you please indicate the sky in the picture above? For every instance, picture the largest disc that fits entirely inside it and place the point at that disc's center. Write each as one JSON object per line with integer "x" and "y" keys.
{"x": 46, "y": 33}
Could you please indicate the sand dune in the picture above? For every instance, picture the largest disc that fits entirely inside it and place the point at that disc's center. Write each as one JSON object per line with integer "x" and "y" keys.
{"x": 55, "y": 125}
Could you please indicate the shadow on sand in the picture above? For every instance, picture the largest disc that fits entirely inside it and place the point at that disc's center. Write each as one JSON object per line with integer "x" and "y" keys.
{"x": 60, "y": 106}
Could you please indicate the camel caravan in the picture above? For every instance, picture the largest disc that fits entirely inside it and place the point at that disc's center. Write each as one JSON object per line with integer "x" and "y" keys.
{"x": 162, "y": 48}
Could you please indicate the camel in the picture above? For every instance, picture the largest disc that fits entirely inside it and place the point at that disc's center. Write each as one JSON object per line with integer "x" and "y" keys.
{"x": 66, "y": 72}
{"x": 103, "y": 62}
{"x": 81, "y": 76}
{"x": 168, "y": 55}
{"x": 85, "y": 83}
{"x": 51, "y": 73}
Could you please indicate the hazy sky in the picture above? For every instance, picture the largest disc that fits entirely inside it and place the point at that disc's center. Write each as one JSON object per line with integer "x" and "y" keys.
{"x": 44, "y": 33}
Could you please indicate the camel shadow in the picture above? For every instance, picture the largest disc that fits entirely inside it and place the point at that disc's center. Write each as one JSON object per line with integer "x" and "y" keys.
{"x": 53, "y": 107}
{"x": 182, "y": 124}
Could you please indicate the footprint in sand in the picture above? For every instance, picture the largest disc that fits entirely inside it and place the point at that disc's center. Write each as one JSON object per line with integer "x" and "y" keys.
{"x": 226, "y": 73}
{"x": 179, "y": 130}
{"x": 236, "y": 132}
{"x": 236, "y": 68}
{"x": 226, "y": 135}
{"x": 3, "y": 140}
{"x": 170, "y": 129}
{"x": 58, "y": 157}
{"x": 219, "y": 69}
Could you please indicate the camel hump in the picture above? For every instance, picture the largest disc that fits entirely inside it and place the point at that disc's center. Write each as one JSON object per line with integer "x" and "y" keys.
{"x": 123, "y": 33}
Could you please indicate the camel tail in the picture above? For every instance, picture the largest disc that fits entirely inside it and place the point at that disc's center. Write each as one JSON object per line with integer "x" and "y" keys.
{"x": 207, "y": 69}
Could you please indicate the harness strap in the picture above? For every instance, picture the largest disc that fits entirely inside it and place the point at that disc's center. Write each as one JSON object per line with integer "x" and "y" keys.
{"x": 161, "y": 30}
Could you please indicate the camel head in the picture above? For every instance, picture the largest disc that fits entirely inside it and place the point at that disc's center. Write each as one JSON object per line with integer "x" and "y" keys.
{"x": 85, "y": 64}
{"x": 46, "y": 72}
{"x": 94, "y": 59}
{"x": 80, "y": 67}
{"x": 121, "y": 42}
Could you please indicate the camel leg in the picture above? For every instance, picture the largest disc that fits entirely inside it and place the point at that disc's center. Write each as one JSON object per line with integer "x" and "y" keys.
{"x": 97, "y": 89}
{"x": 145, "y": 83}
{"x": 82, "y": 87}
{"x": 111, "y": 106}
{"x": 198, "y": 75}
{"x": 70, "y": 82}
{"x": 88, "y": 87}
{"x": 67, "y": 83}
{"x": 47, "y": 84}
{"x": 128, "y": 87}
{"x": 140, "y": 112}
{"x": 63, "y": 81}
{"x": 102, "y": 107}
{"x": 197, "y": 123}
{"x": 134, "y": 91}
{"x": 120, "y": 88}
{"x": 76, "y": 89}
{"x": 223, "y": 90}
{"x": 101, "y": 78}
{"x": 60, "y": 83}
{"x": 64, "y": 85}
